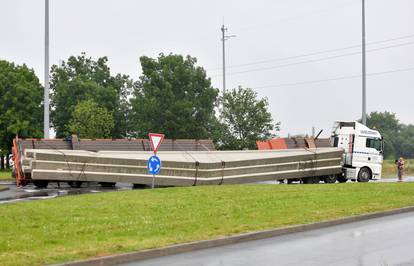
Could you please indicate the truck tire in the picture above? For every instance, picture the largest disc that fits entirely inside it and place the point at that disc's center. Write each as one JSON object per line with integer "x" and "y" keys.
{"x": 75, "y": 184}
{"x": 329, "y": 179}
{"x": 311, "y": 180}
{"x": 342, "y": 179}
{"x": 364, "y": 175}
{"x": 41, "y": 183}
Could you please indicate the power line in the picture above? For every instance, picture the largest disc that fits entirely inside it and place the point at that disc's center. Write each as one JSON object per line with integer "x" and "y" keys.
{"x": 297, "y": 16}
{"x": 334, "y": 79}
{"x": 312, "y": 53}
{"x": 317, "y": 60}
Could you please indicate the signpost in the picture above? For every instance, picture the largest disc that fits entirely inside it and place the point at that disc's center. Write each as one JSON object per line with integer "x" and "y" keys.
{"x": 154, "y": 162}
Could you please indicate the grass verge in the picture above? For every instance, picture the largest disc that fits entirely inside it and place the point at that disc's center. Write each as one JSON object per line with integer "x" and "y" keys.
{"x": 389, "y": 169}
{"x": 5, "y": 174}
{"x": 84, "y": 226}
{"x": 2, "y": 188}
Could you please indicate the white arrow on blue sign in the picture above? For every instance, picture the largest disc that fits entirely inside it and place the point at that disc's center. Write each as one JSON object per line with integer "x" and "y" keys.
{"x": 154, "y": 165}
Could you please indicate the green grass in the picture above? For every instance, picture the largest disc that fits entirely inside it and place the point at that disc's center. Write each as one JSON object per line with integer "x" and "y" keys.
{"x": 389, "y": 169}
{"x": 5, "y": 174}
{"x": 84, "y": 226}
{"x": 2, "y": 188}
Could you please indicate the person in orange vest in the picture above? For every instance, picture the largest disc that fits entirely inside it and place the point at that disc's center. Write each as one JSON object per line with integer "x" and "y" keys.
{"x": 400, "y": 168}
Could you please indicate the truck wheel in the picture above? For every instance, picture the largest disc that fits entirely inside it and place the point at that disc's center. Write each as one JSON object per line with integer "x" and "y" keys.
{"x": 364, "y": 175}
{"x": 289, "y": 181}
{"x": 342, "y": 179}
{"x": 329, "y": 179}
{"x": 107, "y": 184}
{"x": 41, "y": 183}
{"x": 75, "y": 184}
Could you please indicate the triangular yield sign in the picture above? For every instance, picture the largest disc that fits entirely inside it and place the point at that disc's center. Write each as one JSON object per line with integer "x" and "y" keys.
{"x": 156, "y": 140}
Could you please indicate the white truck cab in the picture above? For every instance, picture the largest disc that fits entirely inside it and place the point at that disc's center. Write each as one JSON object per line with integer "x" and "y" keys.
{"x": 362, "y": 159}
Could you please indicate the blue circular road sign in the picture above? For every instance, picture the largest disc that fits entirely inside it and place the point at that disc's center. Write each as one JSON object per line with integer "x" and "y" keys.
{"x": 154, "y": 165}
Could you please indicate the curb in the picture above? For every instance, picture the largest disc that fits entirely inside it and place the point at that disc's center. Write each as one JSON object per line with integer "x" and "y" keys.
{"x": 203, "y": 244}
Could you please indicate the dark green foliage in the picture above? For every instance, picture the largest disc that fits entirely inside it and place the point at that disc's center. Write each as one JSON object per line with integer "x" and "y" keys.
{"x": 405, "y": 142}
{"x": 81, "y": 78}
{"x": 398, "y": 137}
{"x": 173, "y": 97}
{"x": 91, "y": 121}
{"x": 21, "y": 109}
{"x": 244, "y": 119}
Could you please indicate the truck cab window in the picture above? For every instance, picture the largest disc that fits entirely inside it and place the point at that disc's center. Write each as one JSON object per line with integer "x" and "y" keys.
{"x": 335, "y": 141}
{"x": 374, "y": 143}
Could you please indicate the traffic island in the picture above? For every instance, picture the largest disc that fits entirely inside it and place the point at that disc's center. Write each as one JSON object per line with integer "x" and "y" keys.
{"x": 101, "y": 225}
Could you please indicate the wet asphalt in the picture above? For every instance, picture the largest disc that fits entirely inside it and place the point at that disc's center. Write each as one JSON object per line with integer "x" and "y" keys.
{"x": 30, "y": 192}
{"x": 382, "y": 241}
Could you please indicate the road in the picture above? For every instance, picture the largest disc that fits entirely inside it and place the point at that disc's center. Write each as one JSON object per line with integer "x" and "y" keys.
{"x": 30, "y": 192}
{"x": 382, "y": 241}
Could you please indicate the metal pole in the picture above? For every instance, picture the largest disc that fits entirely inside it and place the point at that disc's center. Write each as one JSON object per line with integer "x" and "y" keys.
{"x": 364, "y": 88}
{"x": 46, "y": 90}
{"x": 153, "y": 182}
{"x": 223, "y": 39}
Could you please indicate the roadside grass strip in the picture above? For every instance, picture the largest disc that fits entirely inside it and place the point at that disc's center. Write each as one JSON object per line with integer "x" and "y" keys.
{"x": 5, "y": 174}
{"x": 389, "y": 169}
{"x": 85, "y": 226}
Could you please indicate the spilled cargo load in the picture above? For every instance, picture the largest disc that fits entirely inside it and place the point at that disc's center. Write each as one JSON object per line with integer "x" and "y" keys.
{"x": 181, "y": 168}
{"x": 23, "y": 172}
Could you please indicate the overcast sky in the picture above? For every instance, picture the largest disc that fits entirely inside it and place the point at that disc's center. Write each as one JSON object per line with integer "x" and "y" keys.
{"x": 303, "y": 91}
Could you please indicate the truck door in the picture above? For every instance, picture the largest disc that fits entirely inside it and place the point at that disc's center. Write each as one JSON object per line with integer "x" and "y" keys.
{"x": 368, "y": 153}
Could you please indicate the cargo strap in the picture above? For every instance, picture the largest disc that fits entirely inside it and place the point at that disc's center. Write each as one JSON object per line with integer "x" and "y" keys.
{"x": 197, "y": 164}
{"x": 223, "y": 165}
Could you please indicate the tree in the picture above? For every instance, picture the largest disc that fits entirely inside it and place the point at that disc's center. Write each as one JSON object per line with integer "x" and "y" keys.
{"x": 389, "y": 127}
{"x": 404, "y": 144}
{"x": 21, "y": 108}
{"x": 244, "y": 119}
{"x": 91, "y": 121}
{"x": 174, "y": 97}
{"x": 81, "y": 78}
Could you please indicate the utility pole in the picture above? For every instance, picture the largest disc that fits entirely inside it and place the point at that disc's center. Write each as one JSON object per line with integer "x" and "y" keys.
{"x": 224, "y": 38}
{"x": 46, "y": 91}
{"x": 364, "y": 82}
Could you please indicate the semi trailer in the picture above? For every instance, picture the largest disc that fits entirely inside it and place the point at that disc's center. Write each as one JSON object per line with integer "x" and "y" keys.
{"x": 353, "y": 152}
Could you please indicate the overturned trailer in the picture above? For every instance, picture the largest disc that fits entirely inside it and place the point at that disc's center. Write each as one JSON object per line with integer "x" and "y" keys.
{"x": 181, "y": 167}
{"x": 22, "y": 164}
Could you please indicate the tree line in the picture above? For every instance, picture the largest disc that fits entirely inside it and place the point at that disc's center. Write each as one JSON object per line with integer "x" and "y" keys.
{"x": 398, "y": 137}
{"x": 173, "y": 96}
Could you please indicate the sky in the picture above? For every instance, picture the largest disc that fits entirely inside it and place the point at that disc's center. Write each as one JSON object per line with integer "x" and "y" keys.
{"x": 303, "y": 55}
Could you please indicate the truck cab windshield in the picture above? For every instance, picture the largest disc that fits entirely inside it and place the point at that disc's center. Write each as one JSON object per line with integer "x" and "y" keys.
{"x": 374, "y": 143}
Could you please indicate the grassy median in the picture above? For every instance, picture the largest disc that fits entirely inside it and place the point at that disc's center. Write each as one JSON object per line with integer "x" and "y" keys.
{"x": 5, "y": 174}
{"x": 85, "y": 226}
